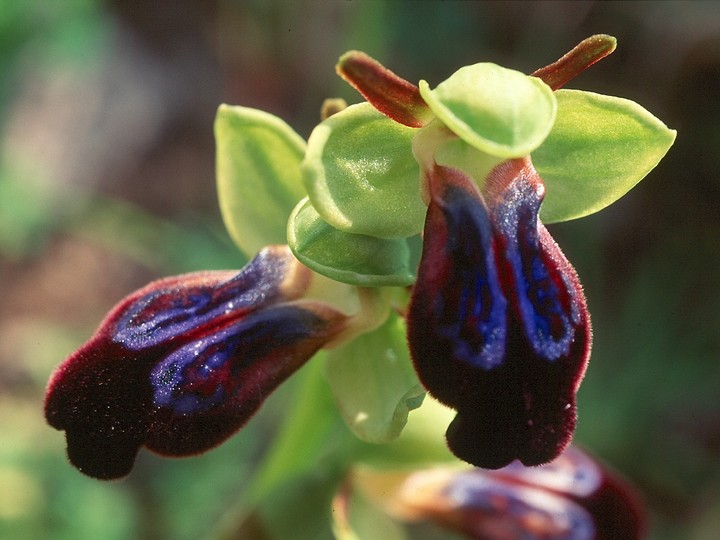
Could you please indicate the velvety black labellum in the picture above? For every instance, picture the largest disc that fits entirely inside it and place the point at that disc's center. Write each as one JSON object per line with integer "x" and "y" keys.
{"x": 183, "y": 363}
{"x": 497, "y": 324}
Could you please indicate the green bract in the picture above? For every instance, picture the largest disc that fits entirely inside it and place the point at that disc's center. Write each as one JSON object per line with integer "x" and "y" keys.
{"x": 374, "y": 383}
{"x": 361, "y": 176}
{"x": 356, "y": 259}
{"x": 599, "y": 148}
{"x": 497, "y": 110}
{"x": 258, "y": 175}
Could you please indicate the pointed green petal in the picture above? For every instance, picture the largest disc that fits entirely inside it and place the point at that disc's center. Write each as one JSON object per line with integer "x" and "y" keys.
{"x": 258, "y": 175}
{"x": 374, "y": 383}
{"x": 599, "y": 149}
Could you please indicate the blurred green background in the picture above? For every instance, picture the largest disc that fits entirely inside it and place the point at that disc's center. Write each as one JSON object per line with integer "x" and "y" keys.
{"x": 107, "y": 182}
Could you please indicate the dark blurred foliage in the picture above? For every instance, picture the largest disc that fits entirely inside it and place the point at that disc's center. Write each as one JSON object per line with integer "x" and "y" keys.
{"x": 107, "y": 181}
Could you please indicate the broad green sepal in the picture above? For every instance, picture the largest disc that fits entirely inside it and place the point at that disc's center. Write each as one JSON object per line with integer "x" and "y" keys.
{"x": 500, "y": 111}
{"x": 258, "y": 175}
{"x": 361, "y": 176}
{"x": 356, "y": 259}
{"x": 374, "y": 383}
{"x": 599, "y": 149}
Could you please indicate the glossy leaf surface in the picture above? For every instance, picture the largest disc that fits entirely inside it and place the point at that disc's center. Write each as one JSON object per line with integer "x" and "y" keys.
{"x": 361, "y": 176}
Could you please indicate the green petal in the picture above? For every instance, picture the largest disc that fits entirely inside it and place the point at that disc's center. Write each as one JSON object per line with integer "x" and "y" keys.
{"x": 374, "y": 383}
{"x": 599, "y": 148}
{"x": 361, "y": 176}
{"x": 497, "y": 110}
{"x": 258, "y": 175}
{"x": 356, "y": 259}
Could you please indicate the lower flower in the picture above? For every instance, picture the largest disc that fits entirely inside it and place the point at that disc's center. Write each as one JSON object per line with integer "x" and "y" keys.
{"x": 180, "y": 365}
{"x": 572, "y": 498}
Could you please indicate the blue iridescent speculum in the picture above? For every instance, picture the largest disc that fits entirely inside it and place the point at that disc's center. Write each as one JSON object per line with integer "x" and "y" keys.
{"x": 548, "y": 298}
{"x": 470, "y": 308}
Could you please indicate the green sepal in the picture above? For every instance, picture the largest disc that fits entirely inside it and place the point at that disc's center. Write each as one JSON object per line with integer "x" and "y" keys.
{"x": 258, "y": 175}
{"x": 500, "y": 111}
{"x": 361, "y": 176}
{"x": 310, "y": 454}
{"x": 356, "y": 259}
{"x": 374, "y": 383}
{"x": 599, "y": 149}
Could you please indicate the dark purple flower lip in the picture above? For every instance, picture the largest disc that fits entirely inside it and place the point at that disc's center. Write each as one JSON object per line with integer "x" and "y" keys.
{"x": 183, "y": 363}
{"x": 497, "y": 325}
{"x": 574, "y": 497}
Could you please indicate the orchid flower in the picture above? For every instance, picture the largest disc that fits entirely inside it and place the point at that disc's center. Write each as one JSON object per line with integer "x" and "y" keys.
{"x": 498, "y": 327}
{"x": 416, "y": 215}
{"x": 573, "y": 498}
{"x": 183, "y": 363}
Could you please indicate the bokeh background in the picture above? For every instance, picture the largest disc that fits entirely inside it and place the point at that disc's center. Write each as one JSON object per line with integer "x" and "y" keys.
{"x": 107, "y": 182}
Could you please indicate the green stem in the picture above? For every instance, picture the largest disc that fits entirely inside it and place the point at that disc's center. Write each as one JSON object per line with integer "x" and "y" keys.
{"x": 311, "y": 431}
{"x": 311, "y": 437}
